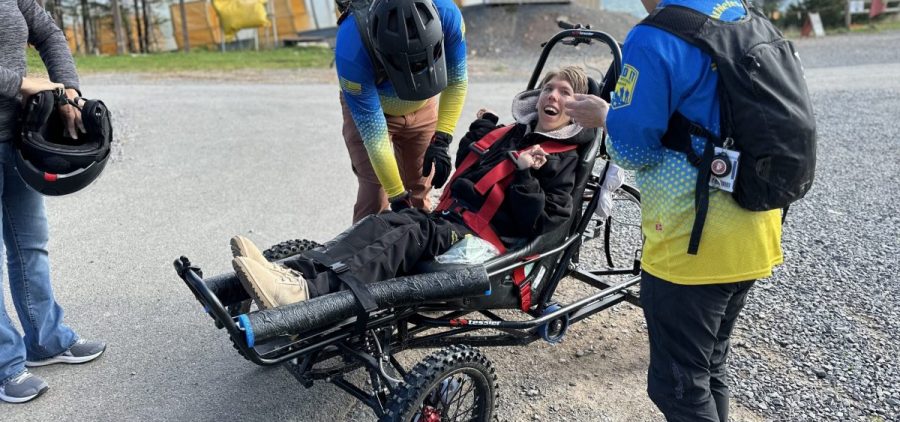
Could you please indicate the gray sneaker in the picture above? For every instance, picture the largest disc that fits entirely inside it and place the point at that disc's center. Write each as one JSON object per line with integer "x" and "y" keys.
{"x": 80, "y": 352}
{"x": 22, "y": 388}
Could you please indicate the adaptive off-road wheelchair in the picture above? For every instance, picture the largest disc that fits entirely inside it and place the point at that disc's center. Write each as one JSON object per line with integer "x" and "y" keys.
{"x": 453, "y": 308}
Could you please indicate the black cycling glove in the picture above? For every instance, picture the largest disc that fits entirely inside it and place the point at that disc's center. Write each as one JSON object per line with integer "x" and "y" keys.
{"x": 438, "y": 156}
{"x": 477, "y": 130}
{"x": 400, "y": 202}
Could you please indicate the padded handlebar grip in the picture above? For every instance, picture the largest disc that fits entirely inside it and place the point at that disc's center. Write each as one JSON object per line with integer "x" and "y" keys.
{"x": 227, "y": 288}
{"x": 330, "y": 309}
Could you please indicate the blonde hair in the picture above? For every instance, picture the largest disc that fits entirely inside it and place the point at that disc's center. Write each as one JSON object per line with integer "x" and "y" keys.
{"x": 574, "y": 75}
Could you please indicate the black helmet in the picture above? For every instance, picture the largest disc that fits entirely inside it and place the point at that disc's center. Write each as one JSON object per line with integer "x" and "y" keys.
{"x": 51, "y": 162}
{"x": 408, "y": 40}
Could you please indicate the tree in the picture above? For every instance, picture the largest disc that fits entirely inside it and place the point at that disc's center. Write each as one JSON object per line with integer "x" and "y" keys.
{"x": 117, "y": 27}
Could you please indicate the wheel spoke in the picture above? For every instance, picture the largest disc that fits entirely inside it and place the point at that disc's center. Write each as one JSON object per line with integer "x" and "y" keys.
{"x": 451, "y": 400}
{"x": 459, "y": 396}
{"x": 462, "y": 396}
{"x": 468, "y": 410}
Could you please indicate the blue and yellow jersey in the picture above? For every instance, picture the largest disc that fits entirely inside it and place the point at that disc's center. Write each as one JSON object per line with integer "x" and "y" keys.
{"x": 663, "y": 74}
{"x": 369, "y": 103}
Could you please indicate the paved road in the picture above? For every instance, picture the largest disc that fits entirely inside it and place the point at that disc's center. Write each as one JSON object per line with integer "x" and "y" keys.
{"x": 198, "y": 163}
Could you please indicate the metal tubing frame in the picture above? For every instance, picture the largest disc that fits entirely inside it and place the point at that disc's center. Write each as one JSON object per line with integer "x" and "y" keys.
{"x": 327, "y": 344}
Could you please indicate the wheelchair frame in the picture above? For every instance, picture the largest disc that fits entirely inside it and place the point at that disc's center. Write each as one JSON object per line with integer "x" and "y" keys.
{"x": 390, "y": 331}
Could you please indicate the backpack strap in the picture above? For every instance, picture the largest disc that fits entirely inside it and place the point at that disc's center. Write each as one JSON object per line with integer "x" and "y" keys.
{"x": 678, "y": 138}
{"x": 681, "y": 21}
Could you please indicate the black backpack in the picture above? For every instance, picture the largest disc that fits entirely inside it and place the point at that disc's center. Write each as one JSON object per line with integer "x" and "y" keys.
{"x": 766, "y": 113}
{"x": 360, "y": 11}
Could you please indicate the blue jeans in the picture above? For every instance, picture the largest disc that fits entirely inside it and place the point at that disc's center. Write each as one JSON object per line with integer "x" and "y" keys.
{"x": 25, "y": 235}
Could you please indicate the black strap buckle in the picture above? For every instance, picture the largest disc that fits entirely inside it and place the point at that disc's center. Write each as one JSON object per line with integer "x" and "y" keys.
{"x": 477, "y": 149}
{"x": 339, "y": 267}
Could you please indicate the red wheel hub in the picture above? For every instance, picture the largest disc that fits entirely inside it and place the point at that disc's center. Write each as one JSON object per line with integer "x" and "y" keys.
{"x": 430, "y": 414}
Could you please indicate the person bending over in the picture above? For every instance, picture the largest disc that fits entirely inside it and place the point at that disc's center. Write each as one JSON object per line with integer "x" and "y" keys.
{"x": 538, "y": 154}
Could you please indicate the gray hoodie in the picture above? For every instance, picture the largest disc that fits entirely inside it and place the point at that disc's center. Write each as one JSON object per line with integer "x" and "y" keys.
{"x": 21, "y": 22}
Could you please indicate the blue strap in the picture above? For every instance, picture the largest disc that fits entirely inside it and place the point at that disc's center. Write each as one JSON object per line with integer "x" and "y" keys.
{"x": 244, "y": 322}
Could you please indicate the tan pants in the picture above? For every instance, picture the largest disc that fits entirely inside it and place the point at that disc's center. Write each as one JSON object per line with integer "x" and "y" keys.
{"x": 410, "y": 134}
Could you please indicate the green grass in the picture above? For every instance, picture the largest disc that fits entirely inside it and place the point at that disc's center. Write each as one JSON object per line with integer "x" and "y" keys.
{"x": 884, "y": 25}
{"x": 282, "y": 58}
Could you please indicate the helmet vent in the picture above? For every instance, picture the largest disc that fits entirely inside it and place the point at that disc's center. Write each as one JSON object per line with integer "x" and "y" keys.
{"x": 392, "y": 25}
{"x": 438, "y": 50}
{"x": 411, "y": 28}
{"x": 424, "y": 13}
{"x": 418, "y": 64}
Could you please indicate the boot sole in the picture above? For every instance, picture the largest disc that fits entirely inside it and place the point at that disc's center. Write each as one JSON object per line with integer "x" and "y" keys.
{"x": 238, "y": 251}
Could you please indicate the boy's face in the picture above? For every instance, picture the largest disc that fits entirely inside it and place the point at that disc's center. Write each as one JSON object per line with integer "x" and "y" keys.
{"x": 551, "y": 102}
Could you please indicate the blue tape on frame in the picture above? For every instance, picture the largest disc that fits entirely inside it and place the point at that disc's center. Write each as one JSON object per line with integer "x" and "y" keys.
{"x": 244, "y": 322}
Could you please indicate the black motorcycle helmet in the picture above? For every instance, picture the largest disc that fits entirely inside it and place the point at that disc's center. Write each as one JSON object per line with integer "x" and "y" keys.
{"x": 51, "y": 162}
{"x": 407, "y": 38}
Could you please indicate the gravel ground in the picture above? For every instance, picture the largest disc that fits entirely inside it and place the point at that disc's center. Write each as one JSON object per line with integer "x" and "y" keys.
{"x": 819, "y": 340}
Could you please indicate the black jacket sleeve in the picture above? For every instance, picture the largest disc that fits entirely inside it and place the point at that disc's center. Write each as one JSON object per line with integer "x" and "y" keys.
{"x": 477, "y": 130}
{"x": 543, "y": 197}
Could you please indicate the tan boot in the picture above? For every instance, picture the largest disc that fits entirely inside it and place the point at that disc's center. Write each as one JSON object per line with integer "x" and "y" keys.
{"x": 243, "y": 247}
{"x": 268, "y": 287}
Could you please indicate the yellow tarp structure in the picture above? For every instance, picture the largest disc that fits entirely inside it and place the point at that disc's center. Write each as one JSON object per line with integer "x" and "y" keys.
{"x": 239, "y": 14}
{"x": 71, "y": 40}
{"x": 291, "y": 17}
{"x": 202, "y": 24}
{"x": 106, "y": 36}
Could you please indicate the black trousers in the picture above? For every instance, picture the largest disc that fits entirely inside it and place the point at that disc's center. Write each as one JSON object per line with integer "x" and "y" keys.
{"x": 380, "y": 247}
{"x": 690, "y": 329}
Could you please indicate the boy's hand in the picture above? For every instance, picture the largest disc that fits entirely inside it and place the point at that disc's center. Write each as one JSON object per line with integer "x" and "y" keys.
{"x": 480, "y": 114}
{"x": 533, "y": 158}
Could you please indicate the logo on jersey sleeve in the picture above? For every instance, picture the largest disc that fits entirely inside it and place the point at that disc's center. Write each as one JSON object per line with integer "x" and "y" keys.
{"x": 350, "y": 87}
{"x": 621, "y": 97}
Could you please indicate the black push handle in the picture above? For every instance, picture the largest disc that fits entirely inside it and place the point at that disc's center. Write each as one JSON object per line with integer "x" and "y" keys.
{"x": 568, "y": 25}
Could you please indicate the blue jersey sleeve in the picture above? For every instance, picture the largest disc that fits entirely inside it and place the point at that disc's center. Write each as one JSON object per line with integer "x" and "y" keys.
{"x": 640, "y": 107}
{"x": 357, "y": 80}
